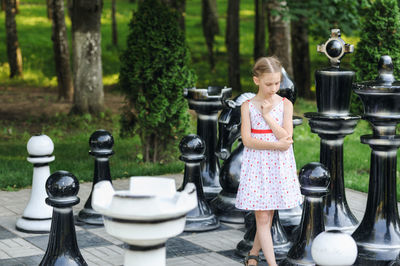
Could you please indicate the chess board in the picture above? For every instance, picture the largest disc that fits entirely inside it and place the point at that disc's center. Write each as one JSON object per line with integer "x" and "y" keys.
{"x": 98, "y": 248}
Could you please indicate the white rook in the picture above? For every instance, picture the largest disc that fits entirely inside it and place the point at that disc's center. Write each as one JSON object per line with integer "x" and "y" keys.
{"x": 36, "y": 217}
{"x": 145, "y": 216}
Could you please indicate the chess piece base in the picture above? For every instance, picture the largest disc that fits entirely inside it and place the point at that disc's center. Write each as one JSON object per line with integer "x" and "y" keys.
{"x": 39, "y": 226}
{"x": 224, "y": 207}
{"x": 90, "y": 216}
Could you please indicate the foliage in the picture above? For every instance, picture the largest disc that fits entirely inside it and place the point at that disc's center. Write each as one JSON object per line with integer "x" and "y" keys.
{"x": 154, "y": 71}
{"x": 380, "y": 35}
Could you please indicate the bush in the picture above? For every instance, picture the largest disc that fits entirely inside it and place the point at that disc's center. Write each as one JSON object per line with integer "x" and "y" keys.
{"x": 154, "y": 71}
{"x": 380, "y": 35}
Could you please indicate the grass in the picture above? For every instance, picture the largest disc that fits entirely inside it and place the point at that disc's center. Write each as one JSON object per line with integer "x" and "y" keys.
{"x": 71, "y": 134}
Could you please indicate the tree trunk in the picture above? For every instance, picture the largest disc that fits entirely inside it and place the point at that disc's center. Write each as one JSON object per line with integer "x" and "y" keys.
{"x": 13, "y": 50}
{"x": 180, "y": 7}
{"x": 114, "y": 23}
{"x": 61, "y": 51}
{"x": 86, "y": 36}
{"x": 259, "y": 32}
{"x": 210, "y": 26}
{"x": 232, "y": 44}
{"x": 3, "y": 5}
{"x": 279, "y": 34}
{"x": 301, "y": 57}
{"x": 50, "y": 10}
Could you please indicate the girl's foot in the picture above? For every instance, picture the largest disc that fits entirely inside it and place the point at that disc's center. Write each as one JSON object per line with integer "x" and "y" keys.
{"x": 251, "y": 260}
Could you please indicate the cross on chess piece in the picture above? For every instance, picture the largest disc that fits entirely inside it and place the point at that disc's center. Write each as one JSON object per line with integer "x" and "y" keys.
{"x": 37, "y": 214}
{"x": 62, "y": 249}
{"x": 101, "y": 143}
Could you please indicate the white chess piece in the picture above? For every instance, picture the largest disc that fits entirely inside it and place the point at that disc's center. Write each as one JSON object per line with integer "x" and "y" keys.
{"x": 36, "y": 217}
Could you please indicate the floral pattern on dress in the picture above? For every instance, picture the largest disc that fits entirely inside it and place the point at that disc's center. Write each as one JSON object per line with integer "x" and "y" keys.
{"x": 268, "y": 179}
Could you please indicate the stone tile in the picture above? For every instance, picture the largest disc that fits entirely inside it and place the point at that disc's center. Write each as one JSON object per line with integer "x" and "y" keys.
{"x": 4, "y": 233}
{"x": 211, "y": 259}
{"x": 179, "y": 247}
{"x": 84, "y": 238}
{"x": 106, "y": 255}
{"x": 18, "y": 247}
{"x": 217, "y": 241}
{"x": 22, "y": 261}
{"x": 101, "y": 232}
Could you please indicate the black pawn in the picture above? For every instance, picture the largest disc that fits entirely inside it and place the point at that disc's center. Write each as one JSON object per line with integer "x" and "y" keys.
{"x": 201, "y": 218}
{"x": 62, "y": 249}
{"x": 101, "y": 143}
{"x": 314, "y": 181}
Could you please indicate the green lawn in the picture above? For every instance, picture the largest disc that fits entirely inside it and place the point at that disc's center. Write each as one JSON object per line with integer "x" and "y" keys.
{"x": 71, "y": 135}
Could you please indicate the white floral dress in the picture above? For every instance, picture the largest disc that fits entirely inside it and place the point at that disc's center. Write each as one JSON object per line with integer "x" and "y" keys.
{"x": 268, "y": 179}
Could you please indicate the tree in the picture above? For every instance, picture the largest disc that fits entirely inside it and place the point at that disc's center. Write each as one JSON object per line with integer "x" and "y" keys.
{"x": 49, "y": 4}
{"x": 179, "y": 6}
{"x": 154, "y": 71}
{"x": 259, "y": 32}
{"x": 232, "y": 44}
{"x": 61, "y": 51}
{"x": 301, "y": 57}
{"x": 86, "y": 43}
{"x": 279, "y": 34}
{"x": 379, "y": 35}
{"x": 13, "y": 50}
{"x": 114, "y": 23}
{"x": 210, "y": 25}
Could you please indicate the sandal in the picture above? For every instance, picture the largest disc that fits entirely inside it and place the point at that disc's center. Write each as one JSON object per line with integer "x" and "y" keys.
{"x": 251, "y": 257}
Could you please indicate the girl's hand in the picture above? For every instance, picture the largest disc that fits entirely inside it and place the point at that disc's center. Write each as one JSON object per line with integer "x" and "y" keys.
{"x": 284, "y": 143}
{"x": 266, "y": 107}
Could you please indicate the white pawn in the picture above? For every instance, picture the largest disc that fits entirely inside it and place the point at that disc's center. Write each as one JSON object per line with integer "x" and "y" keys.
{"x": 334, "y": 247}
{"x": 36, "y": 217}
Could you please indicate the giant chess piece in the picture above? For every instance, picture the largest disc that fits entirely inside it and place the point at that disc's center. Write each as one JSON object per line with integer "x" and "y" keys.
{"x": 207, "y": 103}
{"x": 332, "y": 123}
{"x": 378, "y": 235}
{"x": 202, "y": 217}
{"x": 62, "y": 249}
{"x": 314, "y": 183}
{"x": 145, "y": 216}
{"x": 101, "y": 143}
{"x": 334, "y": 248}
{"x": 229, "y": 123}
{"x": 36, "y": 217}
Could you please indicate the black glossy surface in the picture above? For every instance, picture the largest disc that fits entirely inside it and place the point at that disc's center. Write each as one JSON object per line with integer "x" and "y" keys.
{"x": 333, "y": 123}
{"x": 207, "y": 103}
{"x": 314, "y": 182}
{"x": 378, "y": 235}
{"x": 202, "y": 217}
{"x": 101, "y": 143}
{"x": 62, "y": 188}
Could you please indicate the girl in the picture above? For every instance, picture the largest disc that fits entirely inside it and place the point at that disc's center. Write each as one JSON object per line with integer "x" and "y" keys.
{"x": 268, "y": 179}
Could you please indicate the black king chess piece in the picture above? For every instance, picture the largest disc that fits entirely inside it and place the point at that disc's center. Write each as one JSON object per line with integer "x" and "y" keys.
{"x": 62, "y": 249}
{"x": 201, "y": 218}
{"x": 314, "y": 182}
{"x": 378, "y": 235}
{"x": 101, "y": 143}
{"x": 332, "y": 123}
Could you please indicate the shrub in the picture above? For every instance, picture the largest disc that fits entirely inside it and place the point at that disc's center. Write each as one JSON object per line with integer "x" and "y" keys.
{"x": 380, "y": 35}
{"x": 154, "y": 71}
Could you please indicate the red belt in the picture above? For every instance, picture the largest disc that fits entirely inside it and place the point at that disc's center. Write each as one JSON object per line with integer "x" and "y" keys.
{"x": 261, "y": 131}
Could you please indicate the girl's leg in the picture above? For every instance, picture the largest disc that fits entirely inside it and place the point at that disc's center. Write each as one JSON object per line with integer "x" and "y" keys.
{"x": 264, "y": 223}
{"x": 255, "y": 250}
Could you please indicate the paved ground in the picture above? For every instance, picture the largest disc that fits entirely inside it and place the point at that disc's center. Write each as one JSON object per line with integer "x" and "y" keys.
{"x": 98, "y": 248}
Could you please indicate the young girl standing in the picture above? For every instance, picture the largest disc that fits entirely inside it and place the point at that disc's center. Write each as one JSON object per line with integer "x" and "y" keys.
{"x": 268, "y": 179}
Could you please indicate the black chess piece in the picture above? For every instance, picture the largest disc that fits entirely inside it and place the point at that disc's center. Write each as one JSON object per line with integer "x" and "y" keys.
{"x": 378, "y": 234}
{"x": 101, "y": 143}
{"x": 62, "y": 249}
{"x": 314, "y": 181}
{"x": 202, "y": 217}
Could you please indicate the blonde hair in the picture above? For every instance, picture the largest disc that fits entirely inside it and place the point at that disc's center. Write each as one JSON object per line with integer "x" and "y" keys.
{"x": 264, "y": 65}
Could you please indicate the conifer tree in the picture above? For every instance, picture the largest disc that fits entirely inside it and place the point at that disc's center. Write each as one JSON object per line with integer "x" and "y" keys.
{"x": 380, "y": 35}
{"x": 154, "y": 71}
